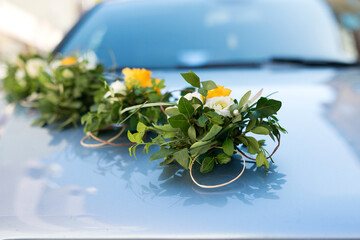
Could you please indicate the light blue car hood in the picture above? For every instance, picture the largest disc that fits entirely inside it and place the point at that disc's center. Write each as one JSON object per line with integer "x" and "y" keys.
{"x": 51, "y": 186}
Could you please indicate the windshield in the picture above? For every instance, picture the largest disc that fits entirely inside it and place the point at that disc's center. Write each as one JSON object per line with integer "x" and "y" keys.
{"x": 168, "y": 34}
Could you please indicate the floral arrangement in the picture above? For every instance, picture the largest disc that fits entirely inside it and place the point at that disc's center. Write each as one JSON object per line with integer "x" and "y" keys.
{"x": 205, "y": 126}
{"x": 208, "y": 126}
{"x": 112, "y": 103}
{"x": 61, "y": 89}
{"x": 22, "y": 76}
{"x": 67, "y": 90}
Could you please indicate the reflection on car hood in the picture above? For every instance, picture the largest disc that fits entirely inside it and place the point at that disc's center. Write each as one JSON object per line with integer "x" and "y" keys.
{"x": 52, "y": 186}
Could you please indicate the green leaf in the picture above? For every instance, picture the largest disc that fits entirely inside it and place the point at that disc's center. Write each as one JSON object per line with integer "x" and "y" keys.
{"x": 165, "y": 128}
{"x": 179, "y": 121}
{"x": 138, "y": 137}
{"x": 202, "y": 121}
{"x": 250, "y": 125}
{"x": 146, "y": 148}
{"x": 266, "y": 163}
{"x": 203, "y": 92}
{"x": 141, "y": 127}
{"x": 207, "y": 165}
{"x": 237, "y": 119}
{"x": 169, "y": 134}
{"x": 215, "y": 129}
{"x": 182, "y": 157}
{"x": 162, "y": 153}
{"x": 260, "y": 130}
{"x": 167, "y": 161}
{"x": 214, "y": 117}
{"x": 76, "y": 105}
{"x": 192, "y": 133}
{"x": 265, "y": 108}
{"x": 131, "y": 137}
{"x": 243, "y": 140}
{"x": 192, "y": 79}
{"x": 253, "y": 145}
{"x": 208, "y": 85}
{"x": 223, "y": 158}
{"x": 172, "y": 111}
{"x": 228, "y": 147}
{"x": 244, "y": 99}
{"x": 185, "y": 107}
{"x": 145, "y": 105}
{"x": 200, "y": 148}
{"x": 260, "y": 159}
{"x": 101, "y": 107}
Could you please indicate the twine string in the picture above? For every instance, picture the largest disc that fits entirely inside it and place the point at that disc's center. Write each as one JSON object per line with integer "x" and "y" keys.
{"x": 275, "y": 149}
{"x": 104, "y": 142}
{"x": 218, "y": 185}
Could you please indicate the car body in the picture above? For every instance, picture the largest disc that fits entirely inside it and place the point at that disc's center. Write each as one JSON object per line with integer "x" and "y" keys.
{"x": 52, "y": 187}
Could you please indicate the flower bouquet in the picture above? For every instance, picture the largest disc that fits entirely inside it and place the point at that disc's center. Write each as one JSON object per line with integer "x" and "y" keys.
{"x": 126, "y": 102}
{"x": 67, "y": 89}
{"x": 22, "y": 76}
{"x": 208, "y": 127}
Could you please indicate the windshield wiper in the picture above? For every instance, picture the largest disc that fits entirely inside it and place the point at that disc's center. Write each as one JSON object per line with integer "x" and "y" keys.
{"x": 257, "y": 64}
{"x": 312, "y": 62}
{"x": 223, "y": 65}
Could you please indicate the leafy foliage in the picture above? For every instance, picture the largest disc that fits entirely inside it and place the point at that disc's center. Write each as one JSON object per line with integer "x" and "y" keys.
{"x": 196, "y": 131}
{"x": 67, "y": 92}
{"x": 62, "y": 89}
{"x": 21, "y": 79}
{"x": 109, "y": 106}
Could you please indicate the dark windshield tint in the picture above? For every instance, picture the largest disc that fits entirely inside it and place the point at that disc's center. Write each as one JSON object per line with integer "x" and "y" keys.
{"x": 155, "y": 34}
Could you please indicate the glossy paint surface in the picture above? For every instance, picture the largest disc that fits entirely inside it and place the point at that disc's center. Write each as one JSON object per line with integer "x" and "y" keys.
{"x": 51, "y": 186}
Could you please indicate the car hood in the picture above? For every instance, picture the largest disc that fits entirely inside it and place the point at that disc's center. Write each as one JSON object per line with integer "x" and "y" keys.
{"x": 51, "y": 186}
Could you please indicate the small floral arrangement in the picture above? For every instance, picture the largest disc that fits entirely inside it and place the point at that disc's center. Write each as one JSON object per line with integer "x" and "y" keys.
{"x": 61, "y": 88}
{"x": 22, "y": 76}
{"x": 67, "y": 90}
{"x": 114, "y": 102}
{"x": 209, "y": 126}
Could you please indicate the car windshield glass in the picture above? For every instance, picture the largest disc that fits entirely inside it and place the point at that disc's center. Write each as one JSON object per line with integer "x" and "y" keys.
{"x": 168, "y": 34}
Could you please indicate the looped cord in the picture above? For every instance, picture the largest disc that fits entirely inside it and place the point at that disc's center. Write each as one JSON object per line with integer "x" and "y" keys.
{"x": 104, "y": 142}
{"x": 276, "y": 148}
{"x": 218, "y": 185}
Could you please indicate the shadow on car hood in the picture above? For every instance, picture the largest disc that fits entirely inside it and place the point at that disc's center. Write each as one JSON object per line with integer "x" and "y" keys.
{"x": 51, "y": 186}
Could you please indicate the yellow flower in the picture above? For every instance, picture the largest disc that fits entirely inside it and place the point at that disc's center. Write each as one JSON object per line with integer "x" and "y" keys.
{"x": 140, "y": 77}
{"x": 220, "y": 91}
{"x": 158, "y": 90}
{"x": 137, "y": 76}
{"x": 68, "y": 61}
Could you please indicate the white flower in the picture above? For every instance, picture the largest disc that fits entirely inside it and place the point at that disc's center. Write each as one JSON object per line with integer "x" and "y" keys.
{"x": 20, "y": 74}
{"x": 221, "y": 105}
{"x": 20, "y": 77}
{"x": 236, "y": 112}
{"x": 190, "y": 96}
{"x": 91, "y": 59}
{"x": 116, "y": 87}
{"x": 67, "y": 73}
{"x": 33, "y": 67}
{"x": 55, "y": 64}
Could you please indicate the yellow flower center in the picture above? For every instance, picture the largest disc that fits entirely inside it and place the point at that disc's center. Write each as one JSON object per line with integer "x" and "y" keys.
{"x": 68, "y": 61}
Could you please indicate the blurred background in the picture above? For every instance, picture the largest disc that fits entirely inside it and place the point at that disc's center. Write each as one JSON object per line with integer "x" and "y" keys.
{"x": 37, "y": 24}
